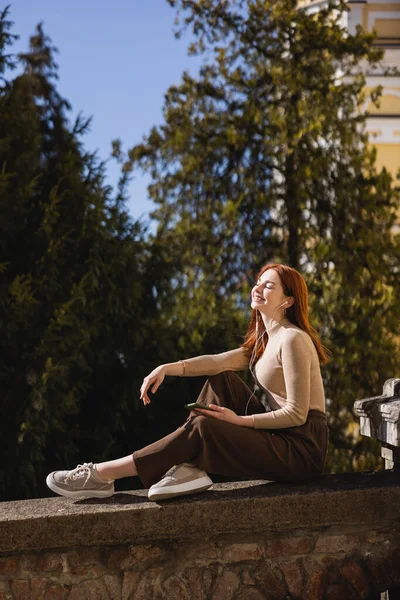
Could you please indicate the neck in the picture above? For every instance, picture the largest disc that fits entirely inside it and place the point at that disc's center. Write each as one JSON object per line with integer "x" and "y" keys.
{"x": 272, "y": 326}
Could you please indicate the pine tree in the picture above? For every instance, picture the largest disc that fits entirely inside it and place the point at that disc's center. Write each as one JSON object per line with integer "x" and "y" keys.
{"x": 76, "y": 286}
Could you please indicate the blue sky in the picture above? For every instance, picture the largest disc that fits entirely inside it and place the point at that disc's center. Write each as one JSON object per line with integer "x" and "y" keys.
{"x": 116, "y": 61}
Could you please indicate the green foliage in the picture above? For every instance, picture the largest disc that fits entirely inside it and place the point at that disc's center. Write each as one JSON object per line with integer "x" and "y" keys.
{"x": 76, "y": 288}
{"x": 264, "y": 157}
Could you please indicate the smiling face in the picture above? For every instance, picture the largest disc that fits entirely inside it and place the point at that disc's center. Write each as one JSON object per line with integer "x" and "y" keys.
{"x": 268, "y": 295}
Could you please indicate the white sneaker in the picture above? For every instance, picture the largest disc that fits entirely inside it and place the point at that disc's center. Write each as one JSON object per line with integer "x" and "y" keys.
{"x": 180, "y": 480}
{"x": 83, "y": 481}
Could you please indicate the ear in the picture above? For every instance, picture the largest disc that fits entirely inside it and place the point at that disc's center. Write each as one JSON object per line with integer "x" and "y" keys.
{"x": 289, "y": 302}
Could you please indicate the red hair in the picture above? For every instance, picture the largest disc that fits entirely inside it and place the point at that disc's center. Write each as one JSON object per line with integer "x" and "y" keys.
{"x": 294, "y": 285}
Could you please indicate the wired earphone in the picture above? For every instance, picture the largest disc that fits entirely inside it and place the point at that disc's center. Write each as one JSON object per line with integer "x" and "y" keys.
{"x": 254, "y": 353}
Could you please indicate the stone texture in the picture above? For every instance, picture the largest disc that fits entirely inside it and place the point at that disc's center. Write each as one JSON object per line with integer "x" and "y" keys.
{"x": 113, "y": 583}
{"x": 226, "y": 586}
{"x": 246, "y": 574}
{"x": 291, "y": 545}
{"x": 5, "y": 592}
{"x": 380, "y": 415}
{"x": 145, "y": 588}
{"x": 9, "y": 564}
{"x": 337, "y": 543}
{"x": 84, "y": 561}
{"x": 176, "y": 588}
{"x": 38, "y": 587}
{"x": 329, "y": 577}
{"x": 309, "y": 562}
{"x": 248, "y": 593}
{"x": 130, "y": 582}
{"x": 115, "y": 556}
{"x": 339, "y": 591}
{"x": 236, "y": 507}
{"x": 292, "y": 572}
{"x": 55, "y": 592}
{"x": 380, "y": 536}
{"x": 194, "y": 579}
{"x": 269, "y": 578}
{"x": 28, "y": 561}
{"x": 241, "y": 552}
{"x": 140, "y": 555}
{"x": 48, "y": 561}
{"x": 314, "y": 578}
{"x": 89, "y": 590}
{"x": 355, "y": 575}
{"x": 209, "y": 574}
{"x": 21, "y": 588}
{"x": 197, "y": 551}
{"x": 383, "y": 569}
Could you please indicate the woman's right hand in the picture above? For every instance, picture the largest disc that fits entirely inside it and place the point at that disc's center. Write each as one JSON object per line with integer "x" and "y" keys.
{"x": 155, "y": 378}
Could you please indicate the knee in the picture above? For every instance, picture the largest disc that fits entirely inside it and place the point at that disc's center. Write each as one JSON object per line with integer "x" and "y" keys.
{"x": 200, "y": 420}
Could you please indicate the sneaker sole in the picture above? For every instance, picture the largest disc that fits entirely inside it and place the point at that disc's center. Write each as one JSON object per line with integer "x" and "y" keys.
{"x": 79, "y": 493}
{"x": 181, "y": 489}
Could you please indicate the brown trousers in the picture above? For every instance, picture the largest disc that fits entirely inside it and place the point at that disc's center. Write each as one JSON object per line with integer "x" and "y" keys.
{"x": 290, "y": 454}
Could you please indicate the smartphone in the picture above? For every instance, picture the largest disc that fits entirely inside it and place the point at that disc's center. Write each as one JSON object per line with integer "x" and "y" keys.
{"x": 195, "y": 405}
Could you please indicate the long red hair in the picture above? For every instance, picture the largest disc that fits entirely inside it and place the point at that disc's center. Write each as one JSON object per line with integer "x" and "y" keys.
{"x": 293, "y": 285}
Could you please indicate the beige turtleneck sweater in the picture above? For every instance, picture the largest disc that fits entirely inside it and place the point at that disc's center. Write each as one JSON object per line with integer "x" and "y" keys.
{"x": 288, "y": 371}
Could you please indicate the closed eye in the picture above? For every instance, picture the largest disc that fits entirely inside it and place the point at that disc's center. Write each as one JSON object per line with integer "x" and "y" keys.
{"x": 268, "y": 285}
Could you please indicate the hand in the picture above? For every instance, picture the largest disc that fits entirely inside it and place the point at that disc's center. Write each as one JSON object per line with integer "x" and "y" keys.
{"x": 220, "y": 412}
{"x": 155, "y": 378}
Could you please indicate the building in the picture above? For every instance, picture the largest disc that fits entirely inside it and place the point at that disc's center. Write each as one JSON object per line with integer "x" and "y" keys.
{"x": 383, "y": 124}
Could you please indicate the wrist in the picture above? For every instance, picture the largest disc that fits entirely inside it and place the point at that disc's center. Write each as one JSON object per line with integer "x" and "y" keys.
{"x": 247, "y": 421}
{"x": 174, "y": 369}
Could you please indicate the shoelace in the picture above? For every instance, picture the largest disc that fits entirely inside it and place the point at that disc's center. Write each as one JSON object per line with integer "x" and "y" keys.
{"x": 80, "y": 471}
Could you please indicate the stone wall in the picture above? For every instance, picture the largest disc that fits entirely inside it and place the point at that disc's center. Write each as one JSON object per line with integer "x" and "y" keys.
{"x": 334, "y": 539}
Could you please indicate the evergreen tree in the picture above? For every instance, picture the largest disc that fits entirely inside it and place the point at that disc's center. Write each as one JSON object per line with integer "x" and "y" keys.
{"x": 263, "y": 157}
{"x": 76, "y": 287}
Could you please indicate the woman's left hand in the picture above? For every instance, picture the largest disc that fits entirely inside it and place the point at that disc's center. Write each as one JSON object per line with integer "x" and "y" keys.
{"x": 220, "y": 412}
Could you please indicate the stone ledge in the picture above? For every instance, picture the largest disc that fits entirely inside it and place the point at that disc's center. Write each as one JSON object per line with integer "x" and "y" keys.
{"x": 245, "y": 506}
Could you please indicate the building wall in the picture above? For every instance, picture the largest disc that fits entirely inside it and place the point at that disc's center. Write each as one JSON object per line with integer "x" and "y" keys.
{"x": 383, "y": 125}
{"x": 346, "y": 563}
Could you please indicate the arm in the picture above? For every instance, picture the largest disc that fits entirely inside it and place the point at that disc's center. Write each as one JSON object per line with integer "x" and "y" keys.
{"x": 296, "y": 365}
{"x": 176, "y": 369}
{"x": 210, "y": 364}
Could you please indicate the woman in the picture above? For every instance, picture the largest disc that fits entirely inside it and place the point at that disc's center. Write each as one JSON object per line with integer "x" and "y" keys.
{"x": 238, "y": 435}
